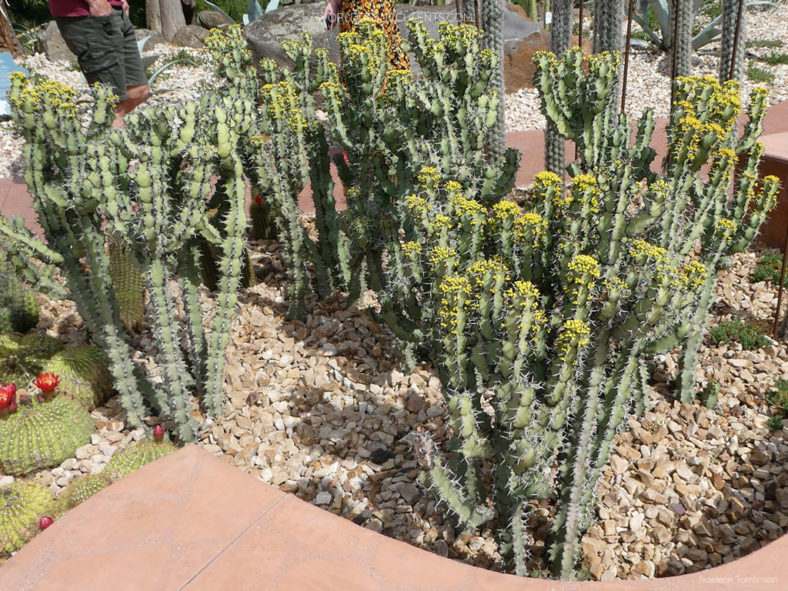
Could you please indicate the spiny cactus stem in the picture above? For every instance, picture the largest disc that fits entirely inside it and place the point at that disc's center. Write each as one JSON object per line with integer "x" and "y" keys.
{"x": 235, "y": 226}
{"x": 173, "y": 367}
{"x": 190, "y": 283}
{"x": 578, "y": 456}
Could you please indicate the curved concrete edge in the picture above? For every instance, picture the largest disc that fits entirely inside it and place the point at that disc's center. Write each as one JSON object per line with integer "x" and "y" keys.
{"x": 191, "y": 521}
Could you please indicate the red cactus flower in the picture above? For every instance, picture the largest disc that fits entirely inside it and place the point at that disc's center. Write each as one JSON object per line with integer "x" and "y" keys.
{"x": 12, "y": 408}
{"x": 7, "y": 395}
{"x": 158, "y": 433}
{"x": 345, "y": 158}
{"x": 46, "y": 382}
{"x": 45, "y": 522}
{"x": 258, "y": 199}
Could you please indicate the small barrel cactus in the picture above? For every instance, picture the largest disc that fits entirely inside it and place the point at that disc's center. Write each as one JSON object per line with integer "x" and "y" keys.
{"x": 80, "y": 490}
{"x": 135, "y": 457}
{"x": 22, "y": 504}
{"x": 19, "y": 306}
{"x": 42, "y": 434}
{"x": 128, "y": 283}
{"x": 84, "y": 375}
{"x": 23, "y": 358}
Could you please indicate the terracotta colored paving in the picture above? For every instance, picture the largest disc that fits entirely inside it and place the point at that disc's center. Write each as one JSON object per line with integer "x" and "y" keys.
{"x": 193, "y": 522}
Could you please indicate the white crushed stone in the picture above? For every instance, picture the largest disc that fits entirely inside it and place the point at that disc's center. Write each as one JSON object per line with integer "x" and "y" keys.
{"x": 648, "y": 82}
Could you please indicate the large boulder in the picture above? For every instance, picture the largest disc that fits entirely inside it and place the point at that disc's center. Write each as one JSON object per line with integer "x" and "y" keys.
{"x": 51, "y": 43}
{"x": 190, "y": 36}
{"x": 211, "y": 19}
{"x": 522, "y": 38}
{"x": 266, "y": 34}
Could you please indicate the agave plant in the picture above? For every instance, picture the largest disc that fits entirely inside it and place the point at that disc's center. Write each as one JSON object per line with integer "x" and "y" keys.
{"x": 253, "y": 11}
{"x": 663, "y": 37}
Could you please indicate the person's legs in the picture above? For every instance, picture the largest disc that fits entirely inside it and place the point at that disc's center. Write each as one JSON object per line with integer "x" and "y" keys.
{"x": 137, "y": 90}
{"x": 106, "y": 50}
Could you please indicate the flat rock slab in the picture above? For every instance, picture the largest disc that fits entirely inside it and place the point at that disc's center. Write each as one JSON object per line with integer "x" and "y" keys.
{"x": 190, "y": 521}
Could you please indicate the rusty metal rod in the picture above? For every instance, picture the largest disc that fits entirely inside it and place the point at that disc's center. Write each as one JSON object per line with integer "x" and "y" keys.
{"x": 675, "y": 53}
{"x": 478, "y": 18}
{"x": 458, "y": 6}
{"x": 627, "y": 47}
{"x": 736, "y": 34}
{"x": 780, "y": 288}
{"x": 580, "y": 28}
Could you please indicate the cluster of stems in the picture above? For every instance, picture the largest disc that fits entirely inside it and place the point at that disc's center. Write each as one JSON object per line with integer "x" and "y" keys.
{"x": 169, "y": 182}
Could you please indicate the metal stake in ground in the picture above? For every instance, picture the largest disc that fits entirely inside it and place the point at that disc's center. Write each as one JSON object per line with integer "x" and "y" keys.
{"x": 775, "y": 328}
{"x": 627, "y": 47}
{"x": 675, "y": 52}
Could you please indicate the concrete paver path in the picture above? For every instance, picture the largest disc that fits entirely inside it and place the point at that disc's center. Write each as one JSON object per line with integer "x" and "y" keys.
{"x": 193, "y": 522}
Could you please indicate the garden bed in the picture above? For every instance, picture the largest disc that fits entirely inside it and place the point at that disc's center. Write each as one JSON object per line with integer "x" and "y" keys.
{"x": 321, "y": 411}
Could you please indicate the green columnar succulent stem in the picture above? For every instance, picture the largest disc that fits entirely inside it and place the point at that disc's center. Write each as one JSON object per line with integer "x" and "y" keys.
{"x": 728, "y": 61}
{"x": 189, "y": 281}
{"x": 560, "y": 39}
{"x": 683, "y": 44}
{"x": 608, "y": 21}
{"x": 172, "y": 366}
{"x": 492, "y": 23}
{"x": 326, "y": 219}
{"x": 230, "y": 267}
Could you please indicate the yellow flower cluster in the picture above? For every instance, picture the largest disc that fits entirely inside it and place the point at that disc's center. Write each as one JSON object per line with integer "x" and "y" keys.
{"x": 583, "y": 182}
{"x": 461, "y": 36}
{"x": 525, "y": 296}
{"x": 281, "y": 99}
{"x": 574, "y": 334}
{"x": 547, "y": 178}
{"x": 440, "y": 254}
{"x": 452, "y": 288}
{"x": 726, "y": 226}
{"x": 525, "y": 290}
{"x": 583, "y": 269}
{"x": 693, "y": 275}
{"x": 586, "y": 188}
{"x": 451, "y": 186}
{"x": 722, "y": 103}
{"x": 529, "y": 224}
{"x": 641, "y": 249}
{"x": 487, "y": 55}
{"x": 478, "y": 269}
{"x": 416, "y": 203}
{"x": 428, "y": 176}
{"x": 614, "y": 284}
{"x": 505, "y": 209}
{"x": 56, "y": 98}
{"x": 411, "y": 249}
{"x": 467, "y": 207}
{"x": 259, "y": 140}
{"x": 441, "y": 221}
{"x": 727, "y": 154}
